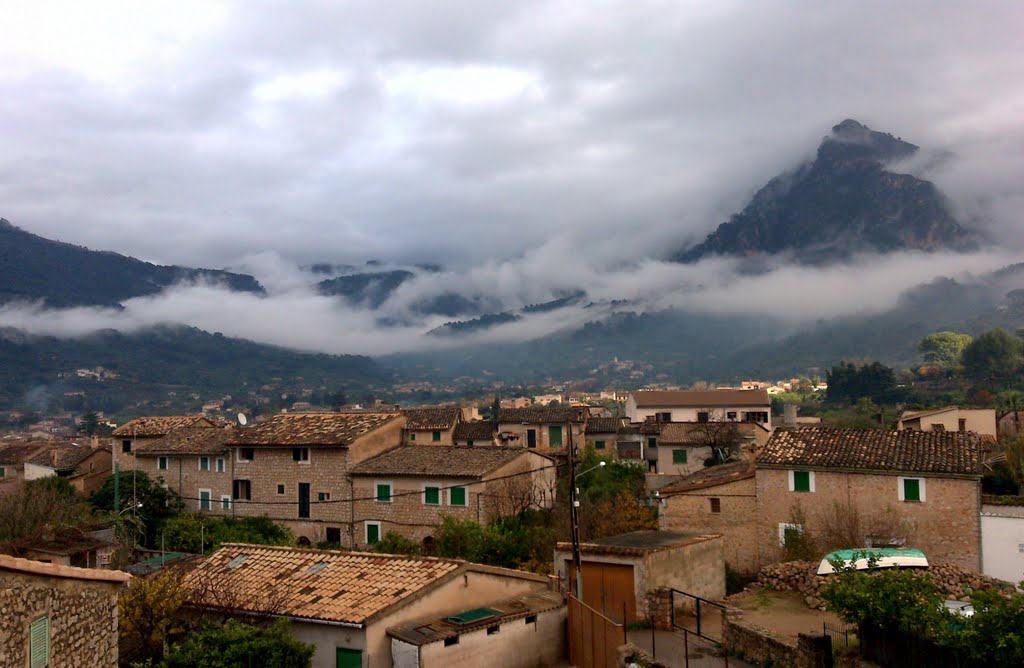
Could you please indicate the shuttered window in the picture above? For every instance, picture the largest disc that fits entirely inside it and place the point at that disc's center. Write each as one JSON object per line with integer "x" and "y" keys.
{"x": 679, "y": 456}
{"x": 432, "y": 496}
{"x": 457, "y": 496}
{"x": 39, "y": 639}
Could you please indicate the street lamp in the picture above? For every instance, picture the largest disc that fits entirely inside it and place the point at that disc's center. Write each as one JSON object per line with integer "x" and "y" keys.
{"x": 574, "y": 493}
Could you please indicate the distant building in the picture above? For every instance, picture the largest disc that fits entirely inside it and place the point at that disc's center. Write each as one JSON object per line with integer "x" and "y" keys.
{"x": 700, "y": 406}
{"x": 544, "y": 428}
{"x": 430, "y": 426}
{"x": 951, "y": 418}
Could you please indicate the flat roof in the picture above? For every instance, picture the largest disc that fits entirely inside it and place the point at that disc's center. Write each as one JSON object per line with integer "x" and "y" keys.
{"x": 638, "y": 542}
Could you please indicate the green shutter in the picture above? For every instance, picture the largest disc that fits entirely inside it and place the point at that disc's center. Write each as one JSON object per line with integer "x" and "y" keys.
{"x": 679, "y": 456}
{"x": 384, "y": 492}
{"x": 652, "y": 442}
{"x": 412, "y": 436}
{"x": 39, "y": 638}
{"x": 457, "y": 496}
{"x": 555, "y": 437}
{"x": 348, "y": 658}
{"x": 435, "y": 437}
{"x": 372, "y": 534}
{"x": 162, "y": 464}
{"x": 3, "y": 472}
{"x": 599, "y": 445}
{"x": 911, "y": 490}
{"x": 802, "y": 481}
{"x": 432, "y": 496}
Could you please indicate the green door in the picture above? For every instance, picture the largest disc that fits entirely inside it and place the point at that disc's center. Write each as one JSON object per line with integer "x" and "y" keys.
{"x": 349, "y": 658}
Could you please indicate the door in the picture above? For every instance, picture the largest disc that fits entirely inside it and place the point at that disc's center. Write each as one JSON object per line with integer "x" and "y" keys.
{"x": 304, "y": 500}
{"x": 531, "y": 438}
{"x": 349, "y": 658}
{"x": 609, "y": 589}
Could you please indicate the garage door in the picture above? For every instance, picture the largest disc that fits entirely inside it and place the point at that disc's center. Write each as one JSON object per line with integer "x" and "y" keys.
{"x": 608, "y": 588}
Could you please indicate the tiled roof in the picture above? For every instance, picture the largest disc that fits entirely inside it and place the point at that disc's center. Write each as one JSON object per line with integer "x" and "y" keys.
{"x": 711, "y": 476}
{"x": 701, "y": 399}
{"x": 338, "y": 429}
{"x": 346, "y": 587}
{"x": 603, "y": 425}
{"x": 913, "y": 415}
{"x": 426, "y": 630}
{"x": 431, "y": 418}
{"x": 912, "y": 451}
{"x": 440, "y": 460}
{"x": 638, "y": 542}
{"x": 8, "y": 563}
{"x": 189, "y": 441}
{"x": 62, "y": 456}
{"x": 543, "y": 415}
{"x": 475, "y": 431}
{"x": 158, "y": 425}
{"x": 18, "y": 453}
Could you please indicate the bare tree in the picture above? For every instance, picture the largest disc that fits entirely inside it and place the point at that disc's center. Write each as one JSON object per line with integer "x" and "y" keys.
{"x": 213, "y": 593}
{"x": 719, "y": 433}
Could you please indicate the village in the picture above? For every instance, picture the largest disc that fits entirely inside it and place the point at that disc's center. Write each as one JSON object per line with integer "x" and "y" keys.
{"x": 647, "y": 527}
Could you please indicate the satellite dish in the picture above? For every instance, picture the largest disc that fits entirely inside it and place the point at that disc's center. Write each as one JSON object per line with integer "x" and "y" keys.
{"x": 242, "y": 420}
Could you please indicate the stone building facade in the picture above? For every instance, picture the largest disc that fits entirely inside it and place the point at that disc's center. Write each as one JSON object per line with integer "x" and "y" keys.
{"x": 430, "y": 426}
{"x": 63, "y": 614}
{"x": 548, "y": 430}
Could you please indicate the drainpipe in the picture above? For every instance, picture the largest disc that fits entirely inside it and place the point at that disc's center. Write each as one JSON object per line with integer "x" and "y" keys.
{"x": 351, "y": 512}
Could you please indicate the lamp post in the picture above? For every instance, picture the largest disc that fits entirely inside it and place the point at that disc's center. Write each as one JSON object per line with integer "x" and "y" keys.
{"x": 574, "y": 504}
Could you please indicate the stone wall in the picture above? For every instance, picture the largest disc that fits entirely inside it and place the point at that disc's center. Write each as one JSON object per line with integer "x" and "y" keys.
{"x": 629, "y": 654}
{"x": 762, "y": 647}
{"x": 82, "y": 616}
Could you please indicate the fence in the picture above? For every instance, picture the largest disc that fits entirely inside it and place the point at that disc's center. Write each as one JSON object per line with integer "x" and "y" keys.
{"x": 593, "y": 638}
{"x": 700, "y": 606}
{"x": 701, "y": 652}
{"x": 902, "y": 650}
{"x": 840, "y": 634}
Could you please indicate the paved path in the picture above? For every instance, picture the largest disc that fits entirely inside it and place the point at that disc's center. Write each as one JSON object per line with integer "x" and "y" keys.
{"x": 670, "y": 648}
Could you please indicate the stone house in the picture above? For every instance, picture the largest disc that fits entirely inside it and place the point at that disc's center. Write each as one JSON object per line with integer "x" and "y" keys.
{"x": 343, "y": 603}
{"x": 130, "y": 435}
{"x": 681, "y": 448}
{"x": 294, "y": 468}
{"x": 68, "y": 546}
{"x": 547, "y": 429}
{"x": 86, "y": 467}
{"x": 700, "y": 406}
{"x": 521, "y": 632}
{"x": 58, "y": 615}
{"x": 719, "y": 499}
{"x": 919, "y": 488}
{"x": 430, "y": 426}
{"x": 12, "y": 462}
{"x": 406, "y": 490}
{"x": 951, "y": 418}
{"x": 602, "y": 435}
{"x": 475, "y": 433}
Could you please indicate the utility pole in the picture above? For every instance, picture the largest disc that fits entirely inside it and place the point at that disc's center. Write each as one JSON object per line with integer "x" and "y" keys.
{"x": 573, "y": 516}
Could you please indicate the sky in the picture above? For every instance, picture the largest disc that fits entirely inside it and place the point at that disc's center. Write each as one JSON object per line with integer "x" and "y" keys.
{"x": 527, "y": 146}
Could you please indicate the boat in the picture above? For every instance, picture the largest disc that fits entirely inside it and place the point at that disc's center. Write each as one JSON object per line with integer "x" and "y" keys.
{"x": 867, "y": 558}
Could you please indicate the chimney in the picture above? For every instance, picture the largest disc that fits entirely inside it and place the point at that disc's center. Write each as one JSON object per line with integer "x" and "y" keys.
{"x": 789, "y": 414}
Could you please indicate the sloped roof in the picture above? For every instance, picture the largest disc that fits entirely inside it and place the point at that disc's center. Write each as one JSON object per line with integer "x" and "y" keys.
{"x": 701, "y": 399}
{"x": 440, "y": 460}
{"x": 336, "y": 429}
{"x": 911, "y": 451}
{"x": 159, "y": 425}
{"x": 696, "y": 433}
{"x": 62, "y": 456}
{"x": 9, "y": 563}
{"x": 913, "y": 415}
{"x": 431, "y": 418}
{"x": 603, "y": 425}
{"x": 711, "y": 476}
{"x": 543, "y": 415}
{"x": 475, "y": 431}
{"x": 640, "y": 542}
{"x": 189, "y": 441}
{"x": 346, "y": 587}
{"x": 18, "y": 453}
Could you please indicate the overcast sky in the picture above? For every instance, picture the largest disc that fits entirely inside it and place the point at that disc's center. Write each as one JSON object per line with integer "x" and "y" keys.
{"x": 532, "y": 147}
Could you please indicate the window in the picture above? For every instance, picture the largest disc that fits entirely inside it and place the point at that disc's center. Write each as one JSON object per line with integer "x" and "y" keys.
{"x": 756, "y": 416}
{"x": 911, "y": 489}
{"x": 679, "y": 456}
{"x": 703, "y": 416}
{"x": 731, "y": 415}
{"x": 204, "y": 499}
{"x": 384, "y": 492}
{"x": 241, "y": 490}
{"x": 531, "y": 438}
{"x": 457, "y": 496}
{"x": 323, "y": 496}
{"x": 716, "y": 504}
{"x": 531, "y": 619}
{"x": 204, "y": 463}
{"x": 652, "y": 442}
{"x": 161, "y": 463}
{"x": 663, "y": 417}
{"x": 39, "y": 642}
{"x": 801, "y": 481}
{"x": 962, "y": 424}
{"x": 225, "y": 502}
{"x": 492, "y": 630}
{"x": 555, "y": 437}
{"x": 432, "y": 496}
{"x": 469, "y": 442}
{"x": 126, "y": 446}
{"x": 412, "y": 436}
{"x": 372, "y": 533}
{"x": 334, "y": 535}
{"x": 599, "y": 445}
{"x": 451, "y": 640}
{"x": 280, "y": 489}
{"x": 435, "y": 436}
{"x": 787, "y": 532}
{"x": 246, "y": 454}
{"x": 300, "y": 454}
{"x": 220, "y": 465}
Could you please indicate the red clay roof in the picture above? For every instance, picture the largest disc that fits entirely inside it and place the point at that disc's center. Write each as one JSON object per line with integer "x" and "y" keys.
{"x": 603, "y": 425}
{"x": 431, "y": 418}
{"x": 440, "y": 460}
{"x": 543, "y": 415}
{"x": 9, "y": 563}
{"x": 701, "y": 399}
{"x": 712, "y": 476}
{"x": 189, "y": 441}
{"x": 159, "y": 425}
{"x": 335, "y": 429}
{"x": 475, "y": 431}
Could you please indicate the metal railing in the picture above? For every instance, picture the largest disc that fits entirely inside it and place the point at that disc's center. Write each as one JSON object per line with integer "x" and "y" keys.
{"x": 840, "y": 634}
{"x": 701, "y": 606}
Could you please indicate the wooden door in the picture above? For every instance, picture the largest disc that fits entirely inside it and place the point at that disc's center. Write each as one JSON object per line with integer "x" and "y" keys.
{"x": 608, "y": 588}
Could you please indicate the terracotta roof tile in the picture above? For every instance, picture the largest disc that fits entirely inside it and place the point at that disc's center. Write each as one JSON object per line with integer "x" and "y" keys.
{"x": 350, "y": 587}
{"x": 19, "y": 453}
{"x": 938, "y": 452}
{"x": 711, "y": 476}
{"x": 439, "y": 460}
{"x": 701, "y": 399}
{"x": 159, "y": 425}
{"x": 475, "y": 431}
{"x": 62, "y": 456}
{"x": 337, "y": 429}
{"x": 9, "y": 563}
{"x": 431, "y": 418}
{"x": 603, "y": 425}
{"x": 543, "y": 415}
{"x": 189, "y": 441}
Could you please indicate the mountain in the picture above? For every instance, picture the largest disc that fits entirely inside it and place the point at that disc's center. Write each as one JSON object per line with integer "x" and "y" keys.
{"x": 843, "y": 202}
{"x": 367, "y": 289}
{"x": 63, "y": 275}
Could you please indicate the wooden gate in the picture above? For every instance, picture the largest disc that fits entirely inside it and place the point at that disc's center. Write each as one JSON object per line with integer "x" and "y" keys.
{"x": 593, "y": 638}
{"x": 609, "y": 589}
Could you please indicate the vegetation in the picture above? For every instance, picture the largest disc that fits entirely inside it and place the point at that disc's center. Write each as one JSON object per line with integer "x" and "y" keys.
{"x": 142, "y": 498}
{"x": 848, "y": 383}
{"x": 148, "y": 616}
{"x": 38, "y": 506}
{"x": 238, "y": 645}
{"x": 994, "y": 354}
{"x": 943, "y": 349}
{"x": 199, "y": 533}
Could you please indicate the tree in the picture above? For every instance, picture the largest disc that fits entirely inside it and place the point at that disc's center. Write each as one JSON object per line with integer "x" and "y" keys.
{"x": 238, "y": 645}
{"x": 147, "y": 613}
{"x": 40, "y": 505}
{"x": 148, "y": 499}
{"x": 848, "y": 383}
{"x": 994, "y": 353}
{"x": 201, "y": 534}
{"x": 89, "y": 423}
{"x": 943, "y": 349}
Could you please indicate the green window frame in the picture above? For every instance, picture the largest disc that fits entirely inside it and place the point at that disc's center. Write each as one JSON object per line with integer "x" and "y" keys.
{"x": 435, "y": 436}
{"x": 161, "y": 463}
{"x": 679, "y": 456}
{"x": 372, "y": 533}
{"x": 432, "y": 496}
{"x": 801, "y": 481}
{"x": 3, "y": 472}
{"x": 205, "y": 499}
{"x": 599, "y": 445}
{"x": 911, "y": 489}
{"x": 457, "y": 496}
{"x": 39, "y": 642}
{"x": 383, "y": 492}
{"x": 652, "y": 442}
{"x": 555, "y": 437}
{"x": 412, "y": 436}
